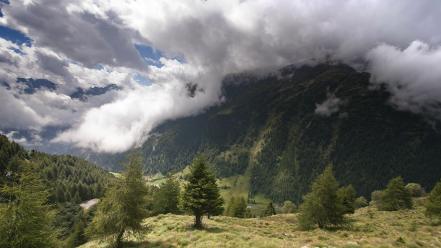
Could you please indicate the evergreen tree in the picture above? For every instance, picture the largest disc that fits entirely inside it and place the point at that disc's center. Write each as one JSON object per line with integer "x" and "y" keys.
{"x": 78, "y": 236}
{"x": 269, "y": 210}
{"x": 396, "y": 196}
{"x": 122, "y": 208}
{"x": 346, "y": 196}
{"x": 166, "y": 199}
{"x": 26, "y": 219}
{"x": 433, "y": 205}
{"x": 237, "y": 207}
{"x": 201, "y": 195}
{"x": 321, "y": 206}
{"x": 288, "y": 207}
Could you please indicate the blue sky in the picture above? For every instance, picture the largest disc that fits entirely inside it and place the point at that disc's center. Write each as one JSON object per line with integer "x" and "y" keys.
{"x": 15, "y": 36}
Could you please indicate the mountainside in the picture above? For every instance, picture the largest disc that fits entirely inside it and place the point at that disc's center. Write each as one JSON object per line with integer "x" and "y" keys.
{"x": 68, "y": 180}
{"x": 281, "y": 130}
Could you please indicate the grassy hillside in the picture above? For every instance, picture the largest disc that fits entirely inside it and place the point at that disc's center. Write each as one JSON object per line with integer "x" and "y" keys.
{"x": 268, "y": 127}
{"x": 370, "y": 228}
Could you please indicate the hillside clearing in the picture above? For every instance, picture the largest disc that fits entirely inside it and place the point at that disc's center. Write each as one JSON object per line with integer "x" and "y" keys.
{"x": 370, "y": 228}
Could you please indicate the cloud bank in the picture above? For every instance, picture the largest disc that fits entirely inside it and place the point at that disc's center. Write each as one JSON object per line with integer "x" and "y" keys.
{"x": 83, "y": 43}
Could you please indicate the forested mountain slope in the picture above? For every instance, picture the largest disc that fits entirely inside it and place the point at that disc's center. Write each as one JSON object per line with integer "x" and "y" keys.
{"x": 281, "y": 130}
{"x": 69, "y": 180}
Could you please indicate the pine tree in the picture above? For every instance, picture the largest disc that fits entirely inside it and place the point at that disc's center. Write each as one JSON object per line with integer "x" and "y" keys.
{"x": 433, "y": 205}
{"x": 166, "y": 199}
{"x": 269, "y": 210}
{"x": 395, "y": 196}
{"x": 123, "y": 206}
{"x": 78, "y": 236}
{"x": 346, "y": 196}
{"x": 237, "y": 207}
{"x": 26, "y": 220}
{"x": 321, "y": 206}
{"x": 201, "y": 195}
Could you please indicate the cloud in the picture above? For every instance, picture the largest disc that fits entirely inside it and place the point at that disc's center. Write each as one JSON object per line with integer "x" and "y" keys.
{"x": 83, "y": 36}
{"x": 410, "y": 74}
{"x": 214, "y": 38}
{"x": 330, "y": 106}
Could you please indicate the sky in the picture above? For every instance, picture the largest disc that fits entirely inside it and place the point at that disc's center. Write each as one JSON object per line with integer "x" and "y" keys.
{"x": 101, "y": 74}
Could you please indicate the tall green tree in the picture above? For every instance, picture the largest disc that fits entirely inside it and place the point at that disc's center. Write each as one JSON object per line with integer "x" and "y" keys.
{"x": 123, "y": 207}
{"x": 321, "y": 206}
{"x": 347, "y": 195}
{"x": 396, "y": 196}
{"x": 26, "y": 220}
{"x": 269, "y": 210}
{"x": 433, "y": 205}
{"x": 201, "y": 195}
{"x": 166, "y": 198}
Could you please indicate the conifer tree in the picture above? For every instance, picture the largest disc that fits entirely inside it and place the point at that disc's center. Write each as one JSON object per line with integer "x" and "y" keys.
{"x": 346, "y": 196}
{"x": 78, "y": 236}
{"x": 433, "y": 205}
{"x": 321, "y": 206}
{"x": 201, "y": 195}
{"x": 269, "y": 210}
{"x": 26, "y": 219}
{"x": 395, "y": 196}
{"x": 237, "y": 207}
{"x": 123, "y": 206}
{"x": 166, "y": 199}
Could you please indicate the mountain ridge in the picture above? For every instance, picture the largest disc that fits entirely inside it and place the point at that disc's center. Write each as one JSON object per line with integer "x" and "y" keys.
{"x": 284, "y": 128}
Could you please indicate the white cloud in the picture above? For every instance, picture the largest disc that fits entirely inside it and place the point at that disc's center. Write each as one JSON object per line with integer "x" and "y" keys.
{"x": 412, "y": 75}
{"x": 330, "y": 106}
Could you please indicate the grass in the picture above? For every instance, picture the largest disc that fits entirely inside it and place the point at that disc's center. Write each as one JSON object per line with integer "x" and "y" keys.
{"x": 369, "y": 228}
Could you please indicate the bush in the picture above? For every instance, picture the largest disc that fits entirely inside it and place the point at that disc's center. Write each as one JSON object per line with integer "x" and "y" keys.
{"x": 415, "y": 189}
{"x": 395, "y": 196}
{"x": 360, "y": 202}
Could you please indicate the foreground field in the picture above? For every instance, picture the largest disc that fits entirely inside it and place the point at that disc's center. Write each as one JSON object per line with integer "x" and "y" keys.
{"x": 370, "y": 228}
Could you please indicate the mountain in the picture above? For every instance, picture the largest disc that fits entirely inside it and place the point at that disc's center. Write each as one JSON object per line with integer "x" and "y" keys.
{"x": 281, "y": 130}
